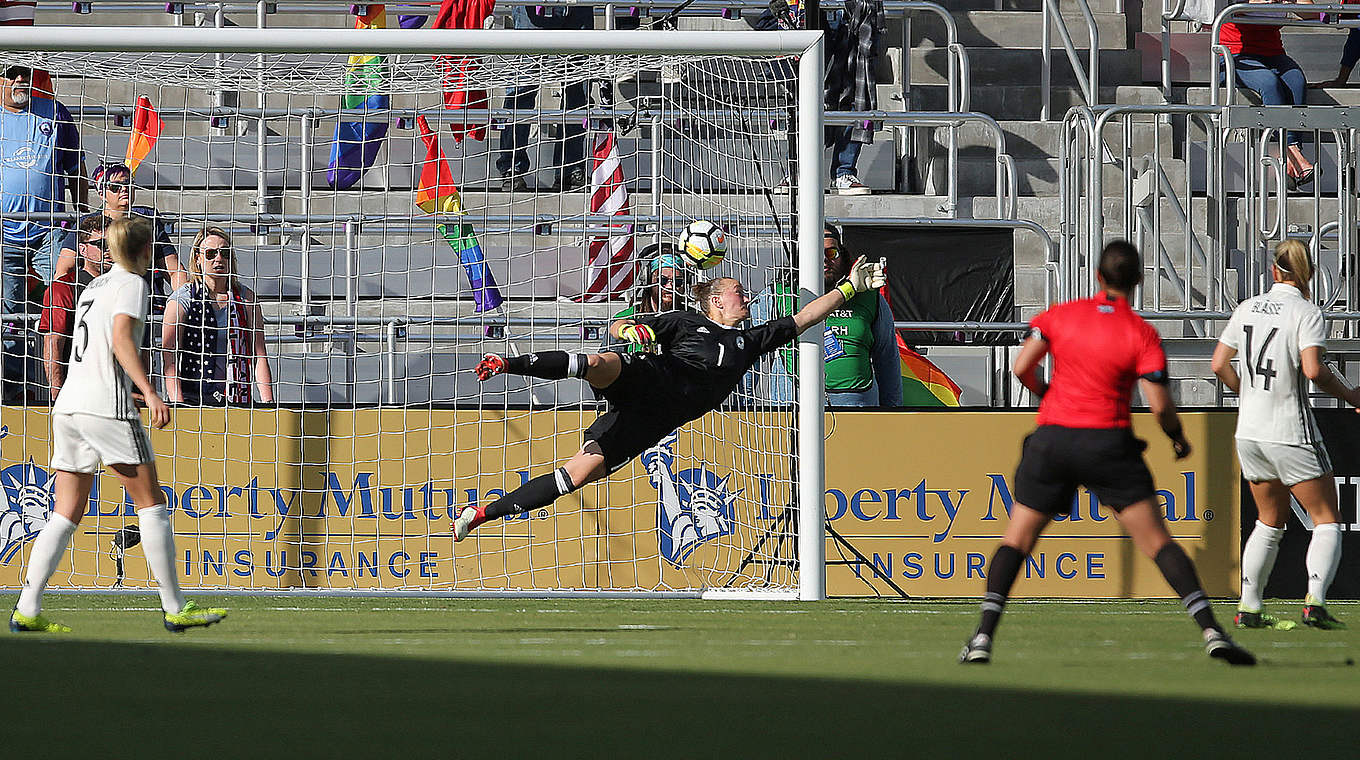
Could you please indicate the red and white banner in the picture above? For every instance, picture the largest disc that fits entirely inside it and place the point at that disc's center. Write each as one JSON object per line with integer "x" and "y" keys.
{"x": 609, "y": 257}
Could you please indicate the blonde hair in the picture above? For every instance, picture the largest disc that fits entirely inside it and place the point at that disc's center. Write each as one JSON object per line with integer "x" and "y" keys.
{"x": 194, "y": 271}
{"x": 1291, "y": 258}
{"x": 707, "y": 289}
{"x": 129, "y": 242}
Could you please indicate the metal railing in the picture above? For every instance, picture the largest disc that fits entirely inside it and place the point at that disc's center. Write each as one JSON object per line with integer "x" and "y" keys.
{"x": 1219, "y": 55}
{"x": 1089, "y": 81}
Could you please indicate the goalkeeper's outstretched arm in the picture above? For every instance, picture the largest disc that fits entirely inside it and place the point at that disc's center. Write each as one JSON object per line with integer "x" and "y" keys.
{"x": 863, "y": 276}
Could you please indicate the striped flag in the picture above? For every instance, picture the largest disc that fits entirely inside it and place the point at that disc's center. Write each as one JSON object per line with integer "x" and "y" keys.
{"x": 459, "y": 70}
{"x": 435, "y": 192}
{"x": 21, "y": 14}
{"x": 356, "y": 143}
{"x": 146, "y": 128}
{"x": 609, "y": 258}
{"x": 463, "y": 239}
{"x": 923, "y": 383}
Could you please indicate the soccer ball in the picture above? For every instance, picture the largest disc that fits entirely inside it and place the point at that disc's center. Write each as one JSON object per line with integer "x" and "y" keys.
{"x": 704, "y": 244}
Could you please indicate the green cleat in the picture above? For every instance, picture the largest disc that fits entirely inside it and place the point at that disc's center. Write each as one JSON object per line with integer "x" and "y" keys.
{"x": 193, "y": 616}
{"x": 1246, "y": 619}
{"x": 21, "y": 623}
{"x": 1315, "y": 615}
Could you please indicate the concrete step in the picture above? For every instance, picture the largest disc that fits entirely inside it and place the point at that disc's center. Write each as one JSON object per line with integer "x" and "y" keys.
{"x": 1040, "y": 139}
{"x": 1023, "y": 102}
{"x": 1002, "y": 68}
{"x": 1035, "y": 6}
{"x": 1034, "y": 176}
{"x": 1317, "y": 51}
{"x": 1329, "y": 96}
{"x": 1016, "y": 29}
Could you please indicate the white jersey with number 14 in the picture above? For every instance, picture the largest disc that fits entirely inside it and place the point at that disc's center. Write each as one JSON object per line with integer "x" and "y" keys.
{"x": 95, "y": 383}
{"x": 1268, "y": 332}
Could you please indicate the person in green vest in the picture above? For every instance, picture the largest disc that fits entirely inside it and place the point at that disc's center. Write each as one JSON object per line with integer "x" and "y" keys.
{"x": 664, "y": 278}
{"x": 863, "y": 367}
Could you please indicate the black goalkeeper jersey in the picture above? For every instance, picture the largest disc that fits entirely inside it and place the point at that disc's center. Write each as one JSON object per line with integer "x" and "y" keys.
{"x": 707, "y": 360}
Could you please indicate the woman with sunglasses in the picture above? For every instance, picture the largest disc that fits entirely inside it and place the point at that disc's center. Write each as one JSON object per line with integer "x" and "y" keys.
{"x": 214, "y": 332}
{"x": 113, "y": 183}
{"x": 665, "y": 277}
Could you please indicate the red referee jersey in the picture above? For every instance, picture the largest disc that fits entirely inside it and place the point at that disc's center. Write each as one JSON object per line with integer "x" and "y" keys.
{"x": 1099, "y": 347}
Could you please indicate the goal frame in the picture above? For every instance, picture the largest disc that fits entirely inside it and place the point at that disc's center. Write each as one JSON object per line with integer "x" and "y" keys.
{"x": 806, "y": 176}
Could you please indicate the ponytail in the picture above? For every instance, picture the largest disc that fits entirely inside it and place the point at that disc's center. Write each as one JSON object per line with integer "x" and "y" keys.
{"x": 1291, "y": 258}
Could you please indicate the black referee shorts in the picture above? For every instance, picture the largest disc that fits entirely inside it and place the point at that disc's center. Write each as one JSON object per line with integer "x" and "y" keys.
{"x": 1055, "y": 460}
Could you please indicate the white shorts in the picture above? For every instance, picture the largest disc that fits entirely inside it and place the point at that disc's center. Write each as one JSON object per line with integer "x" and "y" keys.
{"x": 81, "y": 441}
{"x": 1289, "y": 463}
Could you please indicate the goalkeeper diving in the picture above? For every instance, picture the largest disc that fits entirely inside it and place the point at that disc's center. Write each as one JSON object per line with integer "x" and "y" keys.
{"x": 702, "y": 359}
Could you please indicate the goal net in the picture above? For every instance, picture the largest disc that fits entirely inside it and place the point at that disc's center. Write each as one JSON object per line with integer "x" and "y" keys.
{"x": 387, "y": 216}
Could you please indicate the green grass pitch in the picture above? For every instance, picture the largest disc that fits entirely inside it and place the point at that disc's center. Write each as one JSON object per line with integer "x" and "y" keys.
{"x": 405, "y": 677}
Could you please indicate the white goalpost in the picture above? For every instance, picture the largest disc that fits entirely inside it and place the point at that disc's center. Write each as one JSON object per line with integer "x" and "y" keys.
{"x": 396, "y": 203}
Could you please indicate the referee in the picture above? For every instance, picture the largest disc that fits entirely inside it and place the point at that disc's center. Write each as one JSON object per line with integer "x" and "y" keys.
{"x": 1084, "y": 437}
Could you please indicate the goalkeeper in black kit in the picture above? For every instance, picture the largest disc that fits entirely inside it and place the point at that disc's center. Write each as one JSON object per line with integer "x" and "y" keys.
{"x": 703, "y": 358}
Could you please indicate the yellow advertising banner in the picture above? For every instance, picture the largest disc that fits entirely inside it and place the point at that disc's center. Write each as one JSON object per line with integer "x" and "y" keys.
{"x": 364, "y": 500}
{"x": 924, "y": 497}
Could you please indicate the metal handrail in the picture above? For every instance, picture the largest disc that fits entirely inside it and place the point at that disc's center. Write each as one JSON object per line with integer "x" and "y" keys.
{"x": 1089, "y": 83}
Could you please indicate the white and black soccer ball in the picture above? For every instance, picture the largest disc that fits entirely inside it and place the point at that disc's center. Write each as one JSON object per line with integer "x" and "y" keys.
{"x": 704, "y": 244}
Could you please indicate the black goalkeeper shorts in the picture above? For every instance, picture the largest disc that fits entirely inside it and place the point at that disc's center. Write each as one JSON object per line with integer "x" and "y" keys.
{"x": 623, "y": 433}
{"x": 1055, "y": 460}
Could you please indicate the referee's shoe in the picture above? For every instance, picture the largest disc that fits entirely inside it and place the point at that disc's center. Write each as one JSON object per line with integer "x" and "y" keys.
{"x": 1220, "y": 647}
{"x": 978, "y": 650}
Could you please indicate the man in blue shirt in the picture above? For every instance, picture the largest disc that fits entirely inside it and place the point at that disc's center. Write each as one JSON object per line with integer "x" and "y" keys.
{"x": 40, "y": 158}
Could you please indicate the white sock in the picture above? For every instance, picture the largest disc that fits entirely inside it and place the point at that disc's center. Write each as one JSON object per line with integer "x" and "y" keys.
{"x": 158, "y": 544}
{"x": 42, "y": 562}
{"x": 1258, "y": 559}
{"x": 1324, "y": 554}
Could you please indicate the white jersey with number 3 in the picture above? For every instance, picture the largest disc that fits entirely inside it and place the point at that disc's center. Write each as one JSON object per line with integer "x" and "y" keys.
{"x": 95, "y": 383}
{"x": 1268, "y": 332}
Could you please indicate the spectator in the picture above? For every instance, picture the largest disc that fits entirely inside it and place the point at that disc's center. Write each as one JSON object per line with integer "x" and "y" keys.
{"x": 57, "y": 323}
{"x": 214, "y": 332}
{"x": 1263, "y": 67}
{"x": 113, "y": 183}
{"x": 1350, "y": 54}
{"x": 512, "y": 160}
{"x": 40, "y": 159}
{"x": 863, "y": 366}
{"x": 665, "y": 276}
{"x": 853, "y": 42}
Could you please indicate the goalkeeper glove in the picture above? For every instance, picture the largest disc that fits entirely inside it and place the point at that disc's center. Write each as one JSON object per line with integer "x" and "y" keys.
{"x": 863, "y": 276}
{"x": 639, "y": 334}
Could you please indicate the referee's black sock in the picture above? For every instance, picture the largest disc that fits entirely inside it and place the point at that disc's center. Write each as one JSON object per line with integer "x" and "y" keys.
{"x": 1179, "y": 571}
{"x": 539, "y": 492}
{"x": 1001, "y": 574}
{"x": 549, "y": 365}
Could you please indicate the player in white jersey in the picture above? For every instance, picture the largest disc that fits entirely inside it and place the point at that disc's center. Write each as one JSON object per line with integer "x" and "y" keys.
{"x": 1279, "y": 340}
{"x": 95, "y": 419}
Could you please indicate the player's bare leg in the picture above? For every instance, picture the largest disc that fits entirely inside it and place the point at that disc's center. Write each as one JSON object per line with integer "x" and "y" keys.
{"x": 585, "y": 466}
{"x": 1145, "y": 526}
{"x": 70, "y": 494}
{"x": 1022, "y": 533}
{"x": 1258, "y": 556}
{"x": 1318, "y": 496}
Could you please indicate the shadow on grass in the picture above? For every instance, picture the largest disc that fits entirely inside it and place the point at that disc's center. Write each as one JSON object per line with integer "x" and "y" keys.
{"x": 105, "y": 699}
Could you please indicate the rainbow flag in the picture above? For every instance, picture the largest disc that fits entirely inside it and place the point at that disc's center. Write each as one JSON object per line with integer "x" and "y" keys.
{"x": 356, "y": 143}
{"x": 923, "y": 383}
{"x": 146, "y": 128}
{"x": 463, "y": 239}
{"x": 435, "y": 193}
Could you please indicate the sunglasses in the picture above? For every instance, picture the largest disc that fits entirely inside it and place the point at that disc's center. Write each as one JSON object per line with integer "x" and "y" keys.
{"x": 214, "y": 253}
{"x": 118, "y": 187}
{"x": 101, "y": 244}
{"x": 666, "y": 281}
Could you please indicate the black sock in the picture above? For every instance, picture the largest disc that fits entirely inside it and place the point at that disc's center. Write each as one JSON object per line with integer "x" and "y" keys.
{"x": 1005, "y": 565}
{"x": 549, "y": 365}
{"x": 1179, "y": 571}
{"x": 539, "y": 492}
